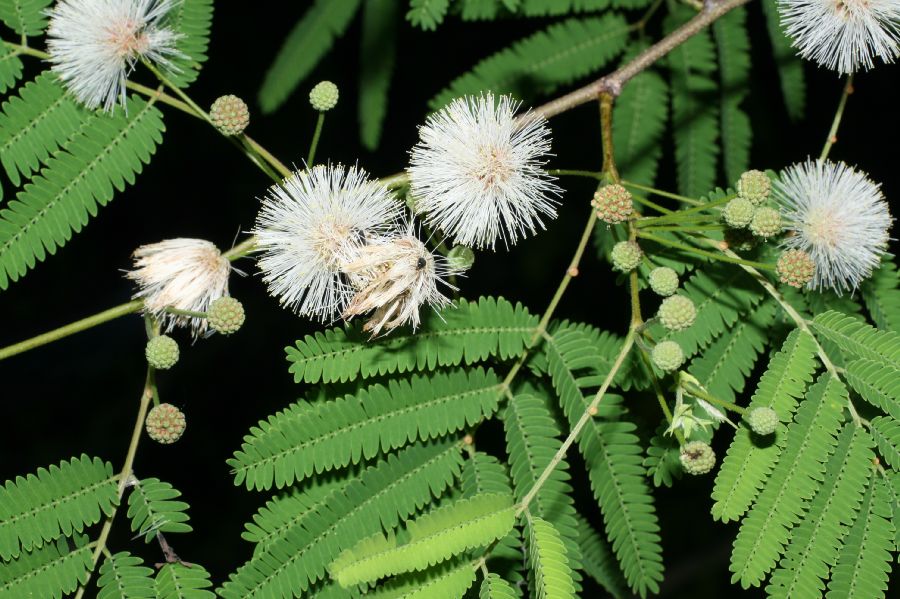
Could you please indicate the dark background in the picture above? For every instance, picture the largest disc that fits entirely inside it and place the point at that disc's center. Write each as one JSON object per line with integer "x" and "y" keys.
{"x": 80, "y": 394}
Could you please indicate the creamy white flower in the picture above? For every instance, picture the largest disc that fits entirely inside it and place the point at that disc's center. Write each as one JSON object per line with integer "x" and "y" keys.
{"x": 477, "y": 173}
{"x": 839, "y": 216}
{"x": 843, "y": 35}
{"x": 311, "y": 224}
{"x": 395, "y": 276}
{"x": 186, "y": 274}
{"x": 94, "y": 44}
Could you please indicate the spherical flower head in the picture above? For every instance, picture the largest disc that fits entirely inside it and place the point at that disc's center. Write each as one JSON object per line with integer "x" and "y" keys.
{"x": 838, "y": 216}
{"x": 667, "y": 356}
{"x": 613, "y": 204}
{"x": 477, "y": 172}
{"x": 187, "y": 274}
{"x": 762, "y": 421}
{"x": 738, "y": 213}
{"x": 230, "y": 115}
{"x": 663, "y": 281}
{"x": 94, "y": 44}
{"x": 677, "y": 313}
{"x": 626, "y": 256}
{"x": 394, "y": 277}
{"x": 795, "y": 268}
{"x": 461, "y": 258}
{"x": 165, "y": 423}
{"x": 843, "y": 35}
{"x": 754, "y": 186}
{"x": 226, "y": 315}
{"x": 162, "y": 352}
{"x": 324, "y": 96}
{"x": 766, "y": 222}
{"x": 697, "y": 457}
{"x": 310, "y": 225}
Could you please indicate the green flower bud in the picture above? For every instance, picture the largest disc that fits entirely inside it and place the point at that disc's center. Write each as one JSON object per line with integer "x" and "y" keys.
{"x": 161, "y": 352}
{"x": 766, "y": 222}
{"x": 668, "y": 356}
{"x": 795, "y": 268}
{"x": 230, "y": 115}
{"x": 324, "y": 96}
{"x": 461, "y": 258}
{"x": 613, "y": 204}
{"x": 165, "y": 423}
{"x": 225, "y": 315}
{"x": 762, "y": 421}
{"x": 755, "y": 187}
{"x": 677, "y": 312}
{"x": 697, "y": 457}
{"x": 626, "y": 256}
{"x": 663, "y": 281}
{"x": 738, "y": 213}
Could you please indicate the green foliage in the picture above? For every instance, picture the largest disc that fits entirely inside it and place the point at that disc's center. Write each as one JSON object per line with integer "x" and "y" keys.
{"x": 450, "y": 579}
{"x": 124, "y": 576}
{"x": 180, "y": 581}
{"x": 663, "y": 461}
{"x": 789, "y": 65}
{"x": 192, "y": 19}
{"x": 430, "y": 539}
{"x": 427, "y": 14}
{"x": 377, "y": 52}
{"x": 540, "y": 63}
{"x": 881, "y": 294}
{"x": 25, "y": 17}
{"x": 548, "y": 560}
{"x": 61, "y": 500}
{"x": 153, "y": 507}
{"x": 494, "y": 587}
{"x": 50, "y": 571}
{"x": 876, "y": 382}
{"x": 306, "y": 44}
{"x": 856, "y": 339}
{"x": 464, "y": 333}
{"x": 10, "y": 68}
{"x": 733, "y": 45}
{"x": 639, "y": 120}
{"x": 598, "y": 560}
{"x": 886, "y": 432}
{"x": 309, "y": 438}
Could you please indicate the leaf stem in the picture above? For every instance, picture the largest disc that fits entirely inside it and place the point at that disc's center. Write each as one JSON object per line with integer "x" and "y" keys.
{"x": 694, "y": 390}
{"x": 315, "y": 140}
{"x": 561, "y": 172}
{"x": 832, "y": 133}
{"x": 661, "y": 193}
{"x": 730, "y": 257}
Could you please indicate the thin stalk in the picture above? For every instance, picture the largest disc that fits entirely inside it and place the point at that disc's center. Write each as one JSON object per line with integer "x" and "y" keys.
{"x": 315, "y": 140}
{"x": 646, "y": 202}
{"x": 660, "y": 396}
{"x": 698, "y": 392}
{"x": 733, "y": 258}
{"x": 688, "y": 213}
{"x": 561, "y": 172}
{"x": 832, "y": 133}
{"x": 661, "y": 193}
{"x": 688, "y": 227}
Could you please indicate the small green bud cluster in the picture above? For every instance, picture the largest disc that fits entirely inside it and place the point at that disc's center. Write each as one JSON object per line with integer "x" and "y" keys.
{"x": 161, "y": 352}
{"x": 795, "y": 268}
{"x": 748, "y": 210}
{"x": 460, "y": 258}
{"x": 677, "y": 312}
{"x": 762, "y": 421}
{"x": 663, "y": 281}
{"x": 230, "y": 115}
{"x": 755, "y": 187}
{"x": 667, "y": 356}
{"x": 697, "y": 457}
{"x": 626, "y": 256}
{"x": 324, "y": 96}
{"x": 225, "y": 315}
{"x": 165, "y": 423}
{"x": 613, "y": 204}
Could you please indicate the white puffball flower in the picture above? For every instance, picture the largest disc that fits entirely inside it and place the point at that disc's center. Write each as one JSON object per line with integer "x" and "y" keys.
{"x": 477, "y": 172}
{"x": 311, "y": 224}
{"x": 186, "y": 274}
{"x": 843, "y": 35}
{"x": 837, "y": 215}
{"x": 394, "y": 277}
{"x": 94, "y": 44}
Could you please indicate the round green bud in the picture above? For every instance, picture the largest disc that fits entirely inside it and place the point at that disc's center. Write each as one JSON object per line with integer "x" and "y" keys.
{"x": 230, "y": 115}
{"x": 461, "y": 258}
{"x": 613, "y": 204}
{"x": 762, "y": 421}
{"x": 766, "y": 222}
{"x": 225, "y": 315}
{"x": 161, "y": 352}
{"x": 626, "y": 256}
{"x": 755, "y": 187}
{"x": 324, "y": 96}
{"x": 668, "y": 356}
{"x": 697, "y": 457}
{"x": 677, "y": 312}
{"x": 663, "y": 281}
{"x": 738, "y": 213}
{"x": 165, "y": 423}
{"x": 795, "y": 268}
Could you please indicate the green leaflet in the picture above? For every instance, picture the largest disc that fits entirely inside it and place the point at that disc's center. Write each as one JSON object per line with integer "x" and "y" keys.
{"x": 61, "y": 500}
{"x": 494, "y": 587}
{"x": 430, "y": 539}
{"x": 548, "y": 560}
{"x": 101, "y": 159}
{"x": 749, "y": 460}
{"x": 663, "y": 461}
{"x": 886, "y": 432}
{"x": 427, "y": 14}
{"x": 153, "y": 507}
{"x": 540, "y": 63}
{"x": 464, "y": 333}
{"x": 10, "y": 69}
{"x": 542, "y": 8}
{"x": 598, "y": 560}
{"x": 377, "y": 52}
{"x": 794, "y": 481}
{"x": 50, "y": 571}
{"x": 306, "y": 44}
{"x": 733, "y": 45}
{"x": 26, "y": 17}
{"x": 192, "y": 19}
{"x": 378, "y": 499}
{"x": 449, "y": 580}
{"x": 855, "y": 338}
{"x": 124, "y": 576}
{"x": 177, "y": 581}
{"x": 881, "y": 293}
{"x": 877, "y": 383}
{"x": 790, "y": 66}
{"x": 639, "y": 120}
{"x": 310, "y": 438}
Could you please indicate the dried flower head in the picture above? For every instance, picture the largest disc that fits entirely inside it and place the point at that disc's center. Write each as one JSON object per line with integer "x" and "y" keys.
{"x": 477, "y": 172}
{"x": 187, "y": 274}
{"x": 394, "y": 277}
{"x": 843, "y": 35}
{"x": 310, "y": 225}
{"x": 838, "y": 216}
{"x": 94, "y": 44}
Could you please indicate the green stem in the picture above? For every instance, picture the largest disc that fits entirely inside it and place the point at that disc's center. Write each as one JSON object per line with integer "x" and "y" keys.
{"x": 660, "y": 397}
{"x": 733, "y": 259}
{"x": 685, "y": 228}
{"x": 832, "y": 133}
{"x": 698, "y": 392}
{"x": 662, "y": 193}
{"x": 315, "y": 140}
{"x": 645, "y": 202}
{"x": 242, "y": 249}
{"x": 689, "y": 214}
{"x": 561, "y": 172}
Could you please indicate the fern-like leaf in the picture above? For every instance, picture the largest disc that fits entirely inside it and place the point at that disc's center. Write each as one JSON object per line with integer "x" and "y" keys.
{"x": 153, "y": 507}
{"x": 10, "y": 68}
{"x": 877, "y": 383}
{"x": 886, "y": 432}
{"x": 306, "y": 44}
{"x": 25, "y": 17}
{"x": 191, "y": 19}
{"x": 494, "y": 587}
{"x": 733, "y": 45}
{"x": 548, "y": 560}
{"x": 427, "y": 14}
{"x": 377, "y": 500}
{"x": 856, "y": 339}
{"x": 542, "y": 62}
{"x": 750, "y": 459}
{"x": 792, "y": 484}
{"x": 639, "y": 120}
{"x": 59, "y": 501}
{"x": 50, "y": 572}
{"x": 545, "y": 8}
{"x": 663, "y": 461}
{"x": 598, "y": 560}
{"x": 428, "y": 540}
{"x": 104, "y": 157}
{"x": 377, "y": 52}
{"x": 124, "y": 576}
{"x": 790, "y": 67}
{"x": 316, "y": 437}
{"x": 464, "y": 333}
{"x": 449, "y": 580}
{"x": 179, "y": 581}
{"x": 881, "y": 293}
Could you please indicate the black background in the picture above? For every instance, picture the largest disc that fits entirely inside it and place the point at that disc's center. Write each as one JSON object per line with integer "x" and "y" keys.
{"x": 80, "y": 394}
